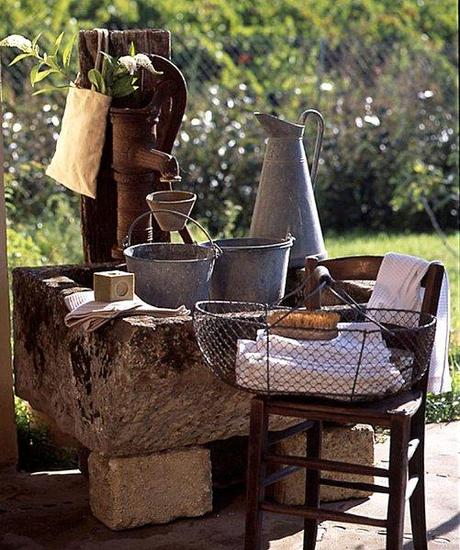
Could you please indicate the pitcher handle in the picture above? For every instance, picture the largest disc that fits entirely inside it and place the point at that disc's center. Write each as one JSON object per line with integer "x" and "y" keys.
{"x": 319, "y": 139}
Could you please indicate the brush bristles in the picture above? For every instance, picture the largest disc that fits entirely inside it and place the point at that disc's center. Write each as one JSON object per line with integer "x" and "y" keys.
{"x": 304, "y": 319}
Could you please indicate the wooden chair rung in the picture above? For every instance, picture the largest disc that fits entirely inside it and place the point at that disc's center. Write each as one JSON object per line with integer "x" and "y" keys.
{"x": 355, "y": 485}
{"x": 340, "y": 417}
{"x": 328, "y": 465}
{"x": 275, "y": 437}
{"x": 280, "y": 474}
{"x": 413, "y": 446}
{"x": 320, "y": 514}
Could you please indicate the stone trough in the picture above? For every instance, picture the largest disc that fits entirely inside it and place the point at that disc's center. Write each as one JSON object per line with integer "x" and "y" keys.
{"x": 136, "y": 393}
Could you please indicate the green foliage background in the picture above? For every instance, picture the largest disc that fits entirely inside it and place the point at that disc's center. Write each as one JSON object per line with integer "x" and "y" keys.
{"x": 383, "y": 72}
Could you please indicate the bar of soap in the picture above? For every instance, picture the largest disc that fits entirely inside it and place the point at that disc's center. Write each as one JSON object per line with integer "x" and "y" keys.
{"x": 113, "y": 286}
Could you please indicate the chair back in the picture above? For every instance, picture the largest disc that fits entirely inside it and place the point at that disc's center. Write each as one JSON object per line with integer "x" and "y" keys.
{"x": 366, "y": 268}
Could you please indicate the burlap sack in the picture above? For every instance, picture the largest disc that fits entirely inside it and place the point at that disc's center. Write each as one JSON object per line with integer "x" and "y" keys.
{"x": 79, "y": 148}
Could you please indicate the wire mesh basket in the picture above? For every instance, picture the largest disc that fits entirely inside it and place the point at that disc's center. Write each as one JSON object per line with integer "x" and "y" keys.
{"x": 346, "y": 353}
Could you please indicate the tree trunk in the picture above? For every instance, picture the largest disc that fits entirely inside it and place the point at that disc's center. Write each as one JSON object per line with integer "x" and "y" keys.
{"x": 8, "y": 442}
{"x": 99, "y": 216}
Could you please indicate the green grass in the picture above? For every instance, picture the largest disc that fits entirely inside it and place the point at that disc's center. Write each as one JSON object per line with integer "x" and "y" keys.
{"x": 36, "y": 450}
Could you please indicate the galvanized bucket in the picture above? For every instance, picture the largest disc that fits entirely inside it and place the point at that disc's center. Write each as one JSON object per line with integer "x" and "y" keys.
{"x": 170, "y": 275}
{"x": 251, "y": 270}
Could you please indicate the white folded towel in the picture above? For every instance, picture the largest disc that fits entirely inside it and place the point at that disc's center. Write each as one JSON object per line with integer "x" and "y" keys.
{"x": 398, "y": 286}
{"x": 328, "y": 367}
{"x": 90, "y": 315}
{"x": 345, "y": 349}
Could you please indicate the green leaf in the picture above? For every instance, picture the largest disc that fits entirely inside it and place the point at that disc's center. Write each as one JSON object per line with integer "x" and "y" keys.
{"x": 19, "y": 57}
{"x": 126, "y": 92}
{"x": 67, "y": 53}
{"x": 97, "y": 81}
{"x": 36, "y": 39}
{"x": 33, "y": 74}
{"x": 58, "y": 40}
{"x": 104, "y": 68}
{"x": 109, "y": 57}
{"x": 51, "y": 62}
{"x": 51, "y": 89}
{"x": 43, "y": 74}
{"x": 132, "y": 49}
{"x": 123, "y": 86}
{"x": 107, "y": 71}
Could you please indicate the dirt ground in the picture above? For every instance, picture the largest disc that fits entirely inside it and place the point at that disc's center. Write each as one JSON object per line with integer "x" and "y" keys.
{"x": 49, "y": 510}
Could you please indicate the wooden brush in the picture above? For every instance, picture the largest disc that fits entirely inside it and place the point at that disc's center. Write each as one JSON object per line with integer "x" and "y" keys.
{"x": 304, "y": 325}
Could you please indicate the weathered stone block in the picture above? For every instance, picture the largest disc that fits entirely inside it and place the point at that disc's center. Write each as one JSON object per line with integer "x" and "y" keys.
{"x": 342, "y": 443}
{"x": 129, "y": 492}
{"x": 136, "y": 386}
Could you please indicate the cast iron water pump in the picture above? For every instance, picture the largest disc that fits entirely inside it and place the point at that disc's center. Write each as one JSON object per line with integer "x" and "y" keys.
{"x": 142, "y": 140}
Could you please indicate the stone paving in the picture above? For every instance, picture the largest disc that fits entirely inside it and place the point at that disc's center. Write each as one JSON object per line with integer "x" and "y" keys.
{"x": 49, "y": 510}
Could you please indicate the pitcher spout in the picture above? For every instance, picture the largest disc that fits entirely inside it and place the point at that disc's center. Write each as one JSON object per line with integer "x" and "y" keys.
{"x": 278, "y": 128}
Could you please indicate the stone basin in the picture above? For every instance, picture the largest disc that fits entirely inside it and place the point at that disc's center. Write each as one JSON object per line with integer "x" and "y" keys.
{"x": 137, "y": 385}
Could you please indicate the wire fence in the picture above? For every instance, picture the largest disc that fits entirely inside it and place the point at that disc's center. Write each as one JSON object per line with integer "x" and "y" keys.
{"x": 390, "y": 115}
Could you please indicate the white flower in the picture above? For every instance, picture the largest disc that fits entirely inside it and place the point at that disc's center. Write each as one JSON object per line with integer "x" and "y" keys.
{"x": 17, "y": 41}
{"x": 129, "y": 63}
{"x": 136, "y": 62}
{"x": 372, "y": 119}
{"x": 144, "y": 61}
{"x": 326, "y": 86}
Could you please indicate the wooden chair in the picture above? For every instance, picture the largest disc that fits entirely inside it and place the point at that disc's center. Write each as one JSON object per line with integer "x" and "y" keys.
{"x": 403, "y": 414}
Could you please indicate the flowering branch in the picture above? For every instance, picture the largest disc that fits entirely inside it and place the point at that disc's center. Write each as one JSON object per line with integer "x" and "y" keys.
{"x": 116, "y": 77}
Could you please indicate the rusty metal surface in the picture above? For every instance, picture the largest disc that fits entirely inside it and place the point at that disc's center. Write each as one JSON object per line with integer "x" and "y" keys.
{"x": 141, "y": 156}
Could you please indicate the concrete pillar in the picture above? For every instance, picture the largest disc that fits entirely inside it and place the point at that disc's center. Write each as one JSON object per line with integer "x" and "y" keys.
{"x": 8, "y": 443}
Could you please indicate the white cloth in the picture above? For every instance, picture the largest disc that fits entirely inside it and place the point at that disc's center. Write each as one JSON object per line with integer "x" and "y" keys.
{"x": 328, "y": 367}
{"x": 90, "y": 315}
{"x": 398, "y": 286}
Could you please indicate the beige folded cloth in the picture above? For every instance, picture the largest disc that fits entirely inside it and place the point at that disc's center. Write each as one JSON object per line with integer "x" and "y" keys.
{"x": 85, "y": 312}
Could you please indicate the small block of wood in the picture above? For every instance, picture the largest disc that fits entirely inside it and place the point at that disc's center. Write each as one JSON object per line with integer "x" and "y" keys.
{"x": 113, "y": 286}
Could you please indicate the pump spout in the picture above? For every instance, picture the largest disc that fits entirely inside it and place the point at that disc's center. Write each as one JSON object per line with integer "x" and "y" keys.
{"x": 153, "y": 159}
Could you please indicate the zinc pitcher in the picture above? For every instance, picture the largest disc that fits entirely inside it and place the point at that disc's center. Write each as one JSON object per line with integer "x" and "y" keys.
{"x": 285, "y": 202}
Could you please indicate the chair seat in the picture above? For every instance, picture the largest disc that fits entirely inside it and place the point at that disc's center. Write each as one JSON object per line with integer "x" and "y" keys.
{"x": 403, "y": 404}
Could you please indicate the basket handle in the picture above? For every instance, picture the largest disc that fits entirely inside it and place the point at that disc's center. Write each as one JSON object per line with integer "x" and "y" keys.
{"x": 217, "y": 249}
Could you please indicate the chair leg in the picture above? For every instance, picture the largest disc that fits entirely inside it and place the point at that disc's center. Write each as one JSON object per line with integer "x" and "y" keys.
{"x": 312, "y": 486}
{"x": 417, "y": 468}
{"x": 399, "y": 441}
{"x": 257, "y": 446}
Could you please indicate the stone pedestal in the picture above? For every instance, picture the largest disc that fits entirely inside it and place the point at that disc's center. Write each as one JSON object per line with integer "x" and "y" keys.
{"x": 342, "y": 443}
{"x": 158, "y": 488}
{"x": 136, "y": 393}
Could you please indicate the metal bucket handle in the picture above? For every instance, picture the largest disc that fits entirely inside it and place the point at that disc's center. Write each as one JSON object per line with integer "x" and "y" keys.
{"x": 216, "y": 248}
{"x": 319, "y": 139}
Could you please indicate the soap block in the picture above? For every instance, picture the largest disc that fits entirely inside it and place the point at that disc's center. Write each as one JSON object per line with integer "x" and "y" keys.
{"x": 113, "y": 286}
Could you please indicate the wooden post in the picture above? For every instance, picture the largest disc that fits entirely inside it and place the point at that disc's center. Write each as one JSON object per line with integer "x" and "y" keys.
{"x": 8, "y": 442}
{"x": 99, "y": 216}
